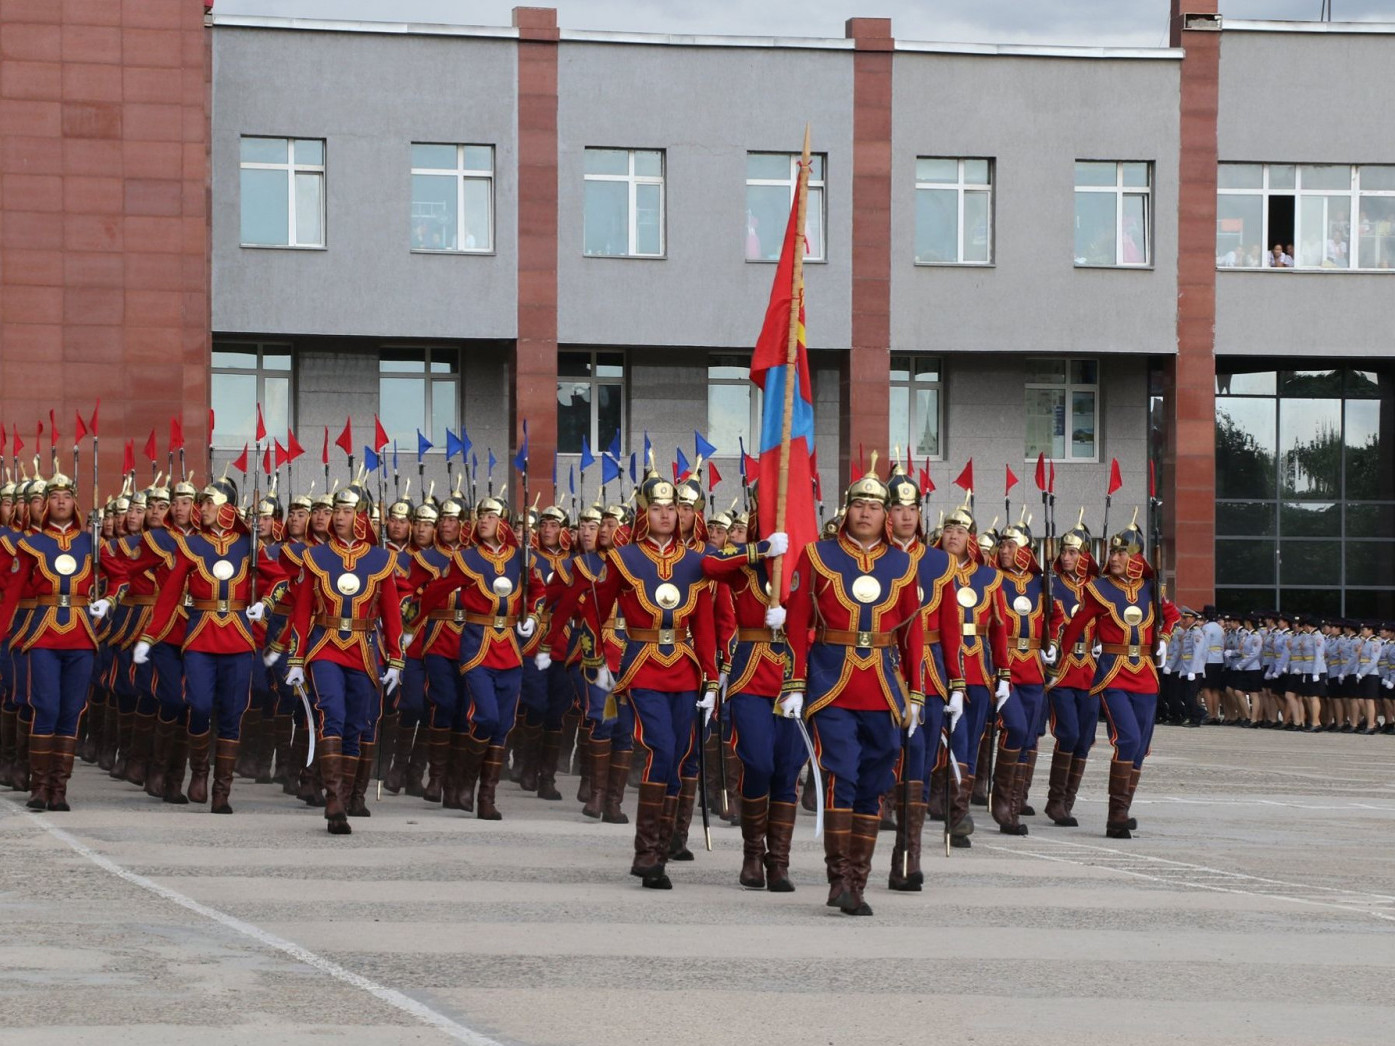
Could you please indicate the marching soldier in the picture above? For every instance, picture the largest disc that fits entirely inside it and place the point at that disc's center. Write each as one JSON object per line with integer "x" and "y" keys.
{"x": 547, "y": 694}
{"x": 1075, "y": 711}
{"x": 410, "y": 751}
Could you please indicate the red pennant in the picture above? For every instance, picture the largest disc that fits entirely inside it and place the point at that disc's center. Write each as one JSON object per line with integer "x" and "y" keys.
{"x": 128, "y": 457}
{"x": 52, "y": 430}
{"x": 1115, "y": 479}
{"x": 324, "y": 453}
{"x": 79, "y": 431}
{"x": 176, "y": 433}
{"x": 39, "y": 437}
{"x": 345, "y": 442}
{"x": 752, "y": 467}
{"x": 151, "y": 451}
{"x": 1051, "y": 478}
{"x": 1011, "y": 481}
{"x": 674, "y": 464}
{"x": 966, "y": 478}
{"x": 293, "y": 447}
{"x": 3, "y": 437}
{"x": 380, "y": 437}
{"x": 19, "y": 443}
{"x": 713, "y": 476}
{"x": 241, "y": 463}
{"x": 927, "y": 485}
{"x": 266, "y": 461}
{"x": 282, "y": 456}
{"x": 1152, "y": 481}
{"x": 98, "y": 407}
{"x": 1041, "y": 471}
{"x": 261, "y": 425}
{"x": 210, "y": 426}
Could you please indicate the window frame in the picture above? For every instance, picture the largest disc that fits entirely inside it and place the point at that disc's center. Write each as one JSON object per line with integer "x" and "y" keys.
{"x": 461, "y": 175}
{"x": 260, "y": 372}
{"x": 754, "y": 400}
{"x": 633, "y": 181}
{"x": 1069, "y": 388}
{"x": 292, "y": 169}
{"x": 912, "y": 384}
{"x": 429, "y": 379}
{"x": 1121, "y": 192}
{"x": 594, "y": 381}
{"x": 962, "y": 187}
{"x": 792, "y": 183}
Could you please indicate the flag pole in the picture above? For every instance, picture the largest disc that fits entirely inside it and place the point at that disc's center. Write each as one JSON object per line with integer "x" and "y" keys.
{"x": 791, "y": 368}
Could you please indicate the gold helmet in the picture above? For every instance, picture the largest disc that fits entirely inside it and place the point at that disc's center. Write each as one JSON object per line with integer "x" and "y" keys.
{"x": 1019, "y": 532}
{"x": 402, "y": 507}
{"x": 962, "y": 516}
{"x": 58, "y": 482}
{"x": 425, "y": 513}
{"x": 351, "y": 496}
{"x": 7, "y": 490}
{"x": 1078, "y": 537}
{"x": 988, "y": 539}
{"x": 221, "y": 492}
{"x": 136, "y": 499}
{"x": 901, "y": 489}
{"x": 591, "y": 514}
{"x": 159, "y": 490}
{"x": 492, "y": 504}
{"x": 327, "y": 499}
{"x": 306, "y": 500}
{"x": 185, "y": 488}
{"x": 555, "y": 513}
{"x": 868, "y": 488}
{"x": 655, "y": 490}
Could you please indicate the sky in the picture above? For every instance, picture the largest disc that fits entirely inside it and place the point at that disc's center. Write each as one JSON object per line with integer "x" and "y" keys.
{"x": 1099, "y": 23}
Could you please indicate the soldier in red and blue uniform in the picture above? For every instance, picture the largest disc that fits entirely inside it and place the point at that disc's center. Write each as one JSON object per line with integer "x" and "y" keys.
{"x": 1075, "y": 711}
{"x": 1125, "y": 608}
{"x": 409, "y": 756}
{"x": 499, "y": 591}
{"x": 863, "y": 672}
{"x": 54, "y": 574}
{"x": 547, "y": 693}
{"x": 346, "y": 598}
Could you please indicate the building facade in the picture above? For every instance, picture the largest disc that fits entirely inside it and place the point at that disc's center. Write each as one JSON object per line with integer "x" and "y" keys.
{"x": 1011, "y": 250}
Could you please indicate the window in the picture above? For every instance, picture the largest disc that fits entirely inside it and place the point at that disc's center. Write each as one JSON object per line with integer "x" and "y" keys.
{"x": 1113, "y": 208}
{"x": 624, "y": 203}
{"x": 953, "y": 211}
{"x": 771, "y": 182}
{"x": 283, "y": 192}
{"x": 243, "y": 375}
{"x": 917, "y": 402}
{"x": 418, "y": 389}
{"x": 1279, "y": 216}
{"x": 1063, "y": 409}
{"x": 733, "y": 403}
{"x": 452, "y": 198}
{"x": 590, "y": 400}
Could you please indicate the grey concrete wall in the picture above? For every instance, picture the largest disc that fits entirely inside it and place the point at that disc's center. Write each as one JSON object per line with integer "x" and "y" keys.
{"x": 707, "y": 107}
{"x": 1034, "y": 117}
{"x": 369, "y": 96}
{"x": 1332, "y": 106}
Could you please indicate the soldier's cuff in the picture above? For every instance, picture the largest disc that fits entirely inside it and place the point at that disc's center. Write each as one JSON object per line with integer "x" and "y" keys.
{"x": 146, "y": 637}
{"x": 917, "y": 698}
{"x": 295, "y": 662}
{"x": 792, "y": 686}
{"x": 711, "y": 686}
{"x": 753, "y": 553}
{"x": 955, "y": 684}
{"x": 1005, "y": 675}
{"x": 397, "y": 663}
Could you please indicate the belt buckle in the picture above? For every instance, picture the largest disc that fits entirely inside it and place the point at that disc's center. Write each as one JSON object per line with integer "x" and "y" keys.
{"x": 1133, "y": 649}
{"x": 666, "y": 636}
{"x": 459, "y": 617}
{"x": 1079, "y": 649}
{"x": 65, "y": 601}
{"x": 222, "y": 606}
{"x": 1024, "y": 645}
{"x": 346, "y": 624}
{"x": 501, "y": 621}
{"x": 971, "y": 630}
{"x": 864, "y": 640}
{"x": 619, "y": 624}
{"x": 188, "y": 600}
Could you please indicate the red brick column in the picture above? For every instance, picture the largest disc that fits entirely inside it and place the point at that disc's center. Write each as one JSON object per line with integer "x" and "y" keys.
{"x": 866, "y": 390}
{"x": 535, "y": 358}
{"x": 1189, "y": 464}
{"x": 104, "y": 221}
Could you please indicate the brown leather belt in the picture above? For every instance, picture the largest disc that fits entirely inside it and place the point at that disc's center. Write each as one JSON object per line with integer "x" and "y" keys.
{"x": 931, "y": 637}
{"x": 139, "y": 601}
{"x": 863, "y": 640}
{"x": 492, "y": 620}
{"x": 1022, "y": 646}
{"x": 346, "y": 624}
{"x": 758, "y": 635}
{"x": 970, "y": 630}
{"x": 1124, "y": 650}
{"x": 456, "y": 617}
{"x": 219, "y": 606}
{"x": 662, "y": 636}
{"x": 60, "y": 601}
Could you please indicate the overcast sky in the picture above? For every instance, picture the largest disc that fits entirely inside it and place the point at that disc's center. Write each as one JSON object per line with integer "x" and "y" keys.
{"x": 1140, "y": 23}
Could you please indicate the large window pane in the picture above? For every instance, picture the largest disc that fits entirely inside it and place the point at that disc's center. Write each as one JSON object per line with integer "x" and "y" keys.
{"x": 1093, "y": 172}
{"x": 1370, "y": 603}
{"x": 478, "y": 227}
{"x": 433, "y": 212}
{"x": 1247, "y": 562}
{"x": 1326, "y": 176}
{"x": 443, "y": 414}
{"x": 901, "y": 434}
{"x": 1256, "y": 383}
{"x": 439, "y": 157}
{"x": 977, "y": 235}
{"x": 1377, "y": 232}
{"x": 265, "y": 208}
{"x": 1134, "y": 245}
{"x": 1325, "y": 236}
{"x": 936, "y": 225}
{"x": 648, "y": 219}
{"x": 1310, "y": 442}
{"x": 606, "y": 218}
{"x": 1239, "y": 231}
{"x": 1245, "y": 518}
{"x": 936, "y": 169}
{"x": 264, "y": 150}
{"x": 1308, "y": 384}
{"x": 1310, "y": 563}
{"x": 235, "y": 406}
{"x": 276, "y": 406}
{"x": 768, "y": 166}
{"x": 1046, "y": 422}
{"x": 1240, "y": 176}
{"x": 1310, "y": 519}
{"x": 1082, "y": 436}
{"x": 1370, "y": 448}
{"x": 729, "y": 416}
{"x": 767, "y": 212}
{"x": 1322, "y": 600}
{"x": 573, "y": 415}
{"x": 1246, "y": 443}
{"x": 309, "y": 209}
{"x": 1095, "y": 228}
{"x": 402, "y": 408}
{"x": 1371, "y": 563}
{"x": 608, "y": 414}
{"x": 607, "y": 161}
{"x": 1371, "y": 521}
{"x": 1245, "y": 600}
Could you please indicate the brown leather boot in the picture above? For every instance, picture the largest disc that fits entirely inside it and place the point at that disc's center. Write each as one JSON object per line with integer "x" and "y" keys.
{"x": 906, "y": 875}
{"x": 961, "y": 822}
{"x": 142, "y": 741}
{"x": 1028, "y": 762}
{"x": 282, "y": 733}
{"x": 310, "y": 789}
{"x": 7, "y": 742}
{"x": 106, "y": 747}
{"x": 779, "y": 831}
{"x": 981, "y": 783}
{"x": 174, "y": 768}
{"x": 837, "y": 835}
{"x": 887, "y": 818}
{"x": 437, "y": 755}
{"x": 329, "y": 755}
{"x": 19, "y": 770}
{"x": 1019, "y": 782}
{"x": 583, "y": 756}
{"x": 650, "y": 847}
{"x": 1116, "y": 824}
{"x": 755, "y": 824}
{"x": 396, "y": 778}
{"x": 470, "y": 756}
{"x": 251, "y": 740}
{"x": 617, "y": 776}
{"x": 295, "y": 768}
{"x": 1056, "y": 807}
{"x": 735, "y": 768}
{"x": 661, "y": 881}
{"x": 550, "y": 751}
{"x": 1133, "y": 787}
{"x": 416, "y": 766}
{"x": 598, "y": 751}
{"x": 529, "y": 751}
{"x": 40, "y": 756}
{"x": 808, "y": 795}
{"x": 490, "y": 772}
{"x": 939, "y": 779}
{"x": 159, "y": 759}
{"x": 682, "y": 820}
{"x": 224, "y": 766}
{"x": 125, "y": 725}
{"x": 362, "y": 767}
{"x": 1073, "y": 779}
{"x": 198, "y": 767}
{"x": 60, "y": 768}
{"x": 87, "y": 747}
{"x": 861, "y": 845}
{"x": 1004, "y": 806}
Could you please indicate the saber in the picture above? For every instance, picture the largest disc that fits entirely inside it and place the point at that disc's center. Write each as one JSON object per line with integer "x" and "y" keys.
{"x": 309, "y": 724}
{"x": 722, "y": 753}
{"x": 958, "y": 781}
{"x": 906, "y": 797}
{"x": 702, "y": 783}
{"x": 816, "y": 773}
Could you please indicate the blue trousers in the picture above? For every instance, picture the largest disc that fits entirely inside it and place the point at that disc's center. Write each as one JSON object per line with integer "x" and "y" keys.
{"x": 410, "y": 697}
{"x": 221, "y": 684}
{"x": 167, "y": 663}
{"x": 664, "y": 722}
{"x": 58, "y": 682}
{"x": 858, "y": 751}
{"x": 347, "y": 703}
{"x": 494, "y": 694}
{"x": 1021, "y": 716}
{"x": 978, "y": 705}
{"x": 593, "y": 700}
{"x": 1074, "y": 716}
{"x": 769, "y": 747}
{"x": 1131, "y": 718}
{"x": 546, "y": 695}
{"x": 447, "y": 697}
{"x": 924, "y": 750}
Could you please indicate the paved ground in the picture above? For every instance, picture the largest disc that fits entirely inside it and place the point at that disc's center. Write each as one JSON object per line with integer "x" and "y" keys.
{"x": 1255, "y": 905}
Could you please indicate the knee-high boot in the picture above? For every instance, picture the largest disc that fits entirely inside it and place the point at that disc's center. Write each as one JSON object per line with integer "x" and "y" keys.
{"x": 778, "y": 834}
{"x": 224, "y": 766}
{"x": 1116, "y": 825}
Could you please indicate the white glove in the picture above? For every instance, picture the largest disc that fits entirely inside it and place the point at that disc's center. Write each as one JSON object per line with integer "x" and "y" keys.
{"x": 722, "y": 682}
{"x": 1191, "y": 677}
{"x": 407, "y": 638}
{"x": 390, "y": 679}
{"x": 775, "y": 617}
{"x": 604, "y": 679}
{"x": 1390, "y": 684}
{"x": 525, "y": 627}
{"x": 295, "y": 676}
{"x": 792, "y": 705}
{"x": 1003, "y": 693}
{"x": 777, "y": 544}
{"x": 141, "y": 654}
{"x": 707, "y": 703}
{"x": 256, "y": 612}
{"x": 543, "y": 661}
{"x": 914, "y": 717}
{"x": 1162, "y": 649}
{"x": 1096, "y": 650}
{"x": 1049, "y": 657}
{"x": 271, "y": 657}
{"x": 1167, "y": 670}
{"x": 1268, "y": 673}
{"x": 99, "y": 609}
{"x": 955, "y": 708}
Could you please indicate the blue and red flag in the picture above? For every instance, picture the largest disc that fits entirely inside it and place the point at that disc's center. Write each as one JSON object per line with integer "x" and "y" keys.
{"x": 770, "y": 371}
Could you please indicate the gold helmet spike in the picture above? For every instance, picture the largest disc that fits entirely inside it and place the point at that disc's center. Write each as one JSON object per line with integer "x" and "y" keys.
{"x": 961, "y": 517}
{"x": 406, "y": 489}
{"x": 868, "y": 488}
